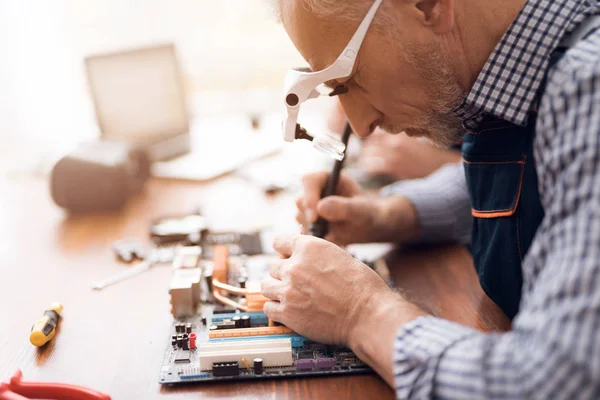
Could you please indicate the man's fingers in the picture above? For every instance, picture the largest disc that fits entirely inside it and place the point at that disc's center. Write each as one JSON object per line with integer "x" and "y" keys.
{"x": 274, "y": 310}
{"x": 313, "y": 186}
{"x": 284, "y": 245}
{"x": 272, "y": 288}
{"x": 336, "y": 208}
{"x": 275, "y": 269}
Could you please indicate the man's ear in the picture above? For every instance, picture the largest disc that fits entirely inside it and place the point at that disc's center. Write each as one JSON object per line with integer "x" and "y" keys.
{"x": 437, "y": 14}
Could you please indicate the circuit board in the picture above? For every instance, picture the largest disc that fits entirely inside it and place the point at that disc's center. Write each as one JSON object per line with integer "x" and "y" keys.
{"x": 284, "y": 355}
{"x": 213, "y": 338}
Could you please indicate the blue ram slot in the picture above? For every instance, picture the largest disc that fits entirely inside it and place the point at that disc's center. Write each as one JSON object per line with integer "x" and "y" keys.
{"x": 297, "y": 340}
{"x": 256, "y": 318}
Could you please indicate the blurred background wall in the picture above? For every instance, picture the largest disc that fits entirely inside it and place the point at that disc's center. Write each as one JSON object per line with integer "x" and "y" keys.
{"x": 233, "y": 52}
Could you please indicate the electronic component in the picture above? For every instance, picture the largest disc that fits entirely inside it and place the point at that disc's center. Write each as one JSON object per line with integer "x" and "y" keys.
{"x": 305, "y": 365}
{"x": 245, "y": 321}
{"x": 187, "y": 257}
{"x": 258, "y": 366}
{"x": 325, "y": 363}
{"x": 188, "y": 328}
{"x": 253, "y": 318}
{"x": 44, "y": 329}
{"x": 177, "y": 229}
{"x": 182, "y": 356}
{"x": 195, "y": 365}
{"x": 226, "y": 368}
{"x": 227, "y": 324}
{"x": 258, "y": 331}
{"x": 305, "y": 354}
{"x": 246, "y": 365}
{"x": 185, "y": 292}
{"x": 274, "y": 352}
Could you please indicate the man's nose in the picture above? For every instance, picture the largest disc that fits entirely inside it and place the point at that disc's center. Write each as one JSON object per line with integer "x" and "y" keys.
{"x": 363, "y": 117}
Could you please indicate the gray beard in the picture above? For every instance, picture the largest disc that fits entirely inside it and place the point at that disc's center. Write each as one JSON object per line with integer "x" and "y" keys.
{"x": 440, "y": 124}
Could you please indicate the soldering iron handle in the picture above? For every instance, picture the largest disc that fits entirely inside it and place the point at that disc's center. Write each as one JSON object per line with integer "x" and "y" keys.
{"x": 321, "y": 227}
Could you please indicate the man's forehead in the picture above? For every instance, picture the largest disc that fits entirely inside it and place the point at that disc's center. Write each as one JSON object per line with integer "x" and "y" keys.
{"x": 319, "y": 42}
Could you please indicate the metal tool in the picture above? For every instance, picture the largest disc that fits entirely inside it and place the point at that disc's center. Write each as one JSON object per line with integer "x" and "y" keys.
{"x": 158, "y": 255}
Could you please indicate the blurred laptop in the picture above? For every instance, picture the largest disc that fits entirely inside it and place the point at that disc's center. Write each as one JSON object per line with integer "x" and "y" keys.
{"x": 139, "y": 97}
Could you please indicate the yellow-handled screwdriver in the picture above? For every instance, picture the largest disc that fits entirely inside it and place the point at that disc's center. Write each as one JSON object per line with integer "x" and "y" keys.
{"x": 44, "y": 329}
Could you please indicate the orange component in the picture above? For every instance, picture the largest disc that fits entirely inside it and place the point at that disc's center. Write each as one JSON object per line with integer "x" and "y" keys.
{"x": 221, "y": 261}
{"x": 254, "y": 298}
{"x": 260, "y": 331}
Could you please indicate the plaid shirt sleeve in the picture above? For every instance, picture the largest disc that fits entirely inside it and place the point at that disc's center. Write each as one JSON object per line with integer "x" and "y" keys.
{"x": 553, "y": 350}
{"x": 442, "y": 203}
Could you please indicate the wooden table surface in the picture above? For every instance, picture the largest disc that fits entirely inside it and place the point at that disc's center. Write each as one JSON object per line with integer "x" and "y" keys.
{"x": 113, "y": 340}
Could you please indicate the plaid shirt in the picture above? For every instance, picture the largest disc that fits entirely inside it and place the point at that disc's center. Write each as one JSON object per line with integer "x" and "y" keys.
{"x": 553, "y": 350}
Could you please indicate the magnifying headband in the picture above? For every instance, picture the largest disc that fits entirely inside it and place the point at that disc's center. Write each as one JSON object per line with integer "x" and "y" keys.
{"x": 303, "y": 84}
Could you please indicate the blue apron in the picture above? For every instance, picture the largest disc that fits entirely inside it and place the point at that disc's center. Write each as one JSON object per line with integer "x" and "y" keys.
{"x": 506, "y": 208}
{"x": 502, "y": 183}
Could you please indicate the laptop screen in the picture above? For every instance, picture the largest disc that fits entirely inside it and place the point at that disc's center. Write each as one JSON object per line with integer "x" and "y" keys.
{"x": 138, "y": 95}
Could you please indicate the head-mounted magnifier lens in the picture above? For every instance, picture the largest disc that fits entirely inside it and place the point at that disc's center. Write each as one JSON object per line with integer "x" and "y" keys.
{"x": 303, "y": 84}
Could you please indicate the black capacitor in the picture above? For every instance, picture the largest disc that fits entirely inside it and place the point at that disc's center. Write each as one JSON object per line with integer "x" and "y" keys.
{"x": 174, "y": 337}
{"x": 242, "y": 282}
{"x": 186, "y": 336}
{"x": 204, "y": 321}
{"x": 237, "y": 321}
{"x": 185, "y": 345}
{"x": 188, "y": 328}
{"x": 246, "y": 321}
{"x": 180, "y": 328}
{"x": 174, "y": 342}
{"x": 180, "y": 341}
{"x": 258, "y": 366}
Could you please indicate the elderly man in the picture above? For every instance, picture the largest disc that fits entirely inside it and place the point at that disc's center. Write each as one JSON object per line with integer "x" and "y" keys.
{"x": 518, "y": 82}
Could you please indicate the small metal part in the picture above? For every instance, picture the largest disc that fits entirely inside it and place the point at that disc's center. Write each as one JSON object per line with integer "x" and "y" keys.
{"x": 188, "y": 328}
{"x": 258, "y": 366}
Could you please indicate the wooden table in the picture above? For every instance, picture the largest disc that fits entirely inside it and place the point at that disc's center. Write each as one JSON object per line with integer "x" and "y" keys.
{"x": 113, "y": 340}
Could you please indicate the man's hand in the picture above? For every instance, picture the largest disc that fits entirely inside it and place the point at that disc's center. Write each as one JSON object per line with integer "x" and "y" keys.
{"x": 355, "y": 217}
{"x": 319, "y": 290}
{"x": 325, "y": 294}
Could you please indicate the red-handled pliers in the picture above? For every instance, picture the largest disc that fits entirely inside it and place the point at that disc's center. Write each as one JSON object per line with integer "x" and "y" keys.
{"x": 16, "y": 389}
